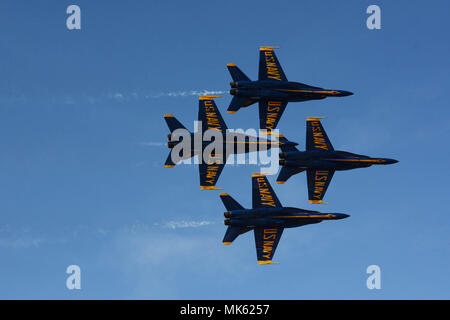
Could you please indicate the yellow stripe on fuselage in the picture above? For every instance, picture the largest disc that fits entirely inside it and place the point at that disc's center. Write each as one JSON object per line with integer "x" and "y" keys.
{"x": 311, "y": 91}
{"x": 310, "y": 216}
{"x": 358, "y": 160}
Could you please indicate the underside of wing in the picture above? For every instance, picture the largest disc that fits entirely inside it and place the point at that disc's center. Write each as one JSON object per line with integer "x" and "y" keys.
{"x": 262, "y": 193}
{"x": 269, "y": 67}
{"x": 316, "y": 137}
{"x": 209, "y": 174}
{"x": 270, "y": 112}
{"x": 318, "y": 181}
{"x": 266, "y": 241}
{"x": 209, "y": 114}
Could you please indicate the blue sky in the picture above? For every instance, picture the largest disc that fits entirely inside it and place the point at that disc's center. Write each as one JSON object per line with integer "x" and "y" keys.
{"x": 82, "y": 134}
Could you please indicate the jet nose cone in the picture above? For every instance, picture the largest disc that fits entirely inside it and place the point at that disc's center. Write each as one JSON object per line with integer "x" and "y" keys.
{"x": 390, "y": 161}
{"x": 344, "y": 93}
{"x": 341, "y": 216}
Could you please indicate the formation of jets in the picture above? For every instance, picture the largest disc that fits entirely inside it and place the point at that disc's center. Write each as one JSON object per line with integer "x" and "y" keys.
{"x": 272, "y": 91}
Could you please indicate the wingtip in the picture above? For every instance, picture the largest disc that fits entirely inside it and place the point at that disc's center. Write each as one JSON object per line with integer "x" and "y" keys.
{"x": 267, "y": 262}
{"x": 264, "y": 48}
{"x": 315, "y": 118}
{"x": 317, "y": 202}
{"x": 224, "y": 194}
{"x": 168, "y": 116}
{"x": 226, "y": 243}
{"x": 169, "y": 165}
{"x": 208, "y": 97}
{"x": 261, "y": 174}
{"x": 231, "y": 65}
{"x": 209, "y": 188}
{"x": 229, "y": 111}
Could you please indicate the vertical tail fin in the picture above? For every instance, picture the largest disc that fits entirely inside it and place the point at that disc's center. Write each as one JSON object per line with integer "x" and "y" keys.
{"x": 236, "y": 73}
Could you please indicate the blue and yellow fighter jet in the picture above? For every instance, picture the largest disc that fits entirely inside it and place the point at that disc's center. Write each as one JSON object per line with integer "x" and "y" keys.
{"x": 272, "y": 90}
{"x": 235, "y": 143}
{"x": 320, "y": 160}
{"x": 267, "y": 219}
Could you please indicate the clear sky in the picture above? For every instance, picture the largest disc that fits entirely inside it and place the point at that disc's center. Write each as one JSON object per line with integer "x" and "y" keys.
{"x": 83, "y": 147}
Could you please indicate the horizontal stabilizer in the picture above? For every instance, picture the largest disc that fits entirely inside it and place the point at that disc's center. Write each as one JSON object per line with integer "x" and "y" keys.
{"x": 236, "y": 73}
{"x": 239, "y": 102}
{"x": 229, "y": 203}
{"x": 169, "y": 163}
{"x": 173, "y": 123}
{"x": 286, "y": 145}
{"x": 286, "y": 173}
{"x": 232, "y": 233}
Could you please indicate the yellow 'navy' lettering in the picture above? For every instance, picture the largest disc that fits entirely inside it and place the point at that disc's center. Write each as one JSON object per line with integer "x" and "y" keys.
{"x": 271, "y": 66}
{"x": 318, "y": 136}
{"x": 268, "y": 245}
{"x": 265, "y": 196}
{"x": 211, "y": 173}
{"x": 212, "y": 119}
{"x": 320, "y": 180}
{"x": 273, "y": 109}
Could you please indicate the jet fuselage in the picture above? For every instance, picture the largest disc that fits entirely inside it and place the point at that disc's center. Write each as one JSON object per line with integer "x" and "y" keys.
{"x": 282, "y": 90}
{"x": 235, "y": 143}
{"x": 283, "y": 217}
{"x": 336, "y": 160}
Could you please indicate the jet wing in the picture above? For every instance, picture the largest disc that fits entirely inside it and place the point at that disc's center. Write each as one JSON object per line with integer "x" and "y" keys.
{"x": 262, "y": 193}
{"x": 270, "y": 112}
{"x": 266, "y": 240}
{"x": 269, "y": 67}
{"x": 316, "y": 137}
{"x": 209, "y": 114}
{"x": 209, "y": 174}
{"x": 318, "y": 181}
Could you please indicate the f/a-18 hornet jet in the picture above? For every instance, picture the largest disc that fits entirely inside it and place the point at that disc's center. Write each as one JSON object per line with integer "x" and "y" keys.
{"x": 320, "y": 160}
{"x": 267, "y": 219}
{"x": 272, "y": 90}
{"x": 211, "y": 162}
